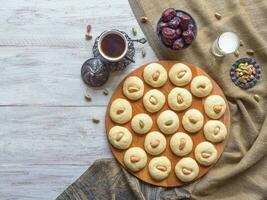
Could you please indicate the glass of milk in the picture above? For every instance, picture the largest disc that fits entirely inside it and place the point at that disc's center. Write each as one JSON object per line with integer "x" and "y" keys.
{"x": 226, "y": 43}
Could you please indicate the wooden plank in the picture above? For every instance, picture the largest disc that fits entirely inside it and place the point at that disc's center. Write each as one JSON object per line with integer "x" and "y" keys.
{"x": 51, "y": 76}
{"x": 52, "y": 135}
{"x": 40, "y": 182}
{"x": 49, "y": 23}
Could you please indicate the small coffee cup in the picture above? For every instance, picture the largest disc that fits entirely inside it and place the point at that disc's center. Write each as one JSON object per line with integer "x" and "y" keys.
{"x": 112, "y": 45}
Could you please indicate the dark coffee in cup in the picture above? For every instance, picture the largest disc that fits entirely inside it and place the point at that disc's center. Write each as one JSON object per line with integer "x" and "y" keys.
{"x": 112, "y": 45}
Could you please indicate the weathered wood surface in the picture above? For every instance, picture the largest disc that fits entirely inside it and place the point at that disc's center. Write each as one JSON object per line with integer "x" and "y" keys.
{"x": 47, "y": 139}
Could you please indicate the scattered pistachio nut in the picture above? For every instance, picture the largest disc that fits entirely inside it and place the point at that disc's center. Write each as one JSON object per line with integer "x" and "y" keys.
{"x": 162, "y": 168}
{"x": 105, "y": 92}
{"x": 218, "y": 15}
{"x": 154, "y": 143}
{"x": 134, "y": 31}
{"x": 241, "y": 43}
{"x": 88, "y": 97}
{"x": 143, "y": 19}
{"x": 141, "y": 124}
{"x": 95, "y": 120}
{"x": 257, "y": 97}
{"x": 134, "y": 159}
{"x": 168, "y": 122}
{"x": 143, "y": 52}
{"x": 250, "y": 52}
{"x": 236, "y": 53}
{"x": 186, "y": 171}
{"x": 88, "y": 36}
{"x": 182, "y": 144}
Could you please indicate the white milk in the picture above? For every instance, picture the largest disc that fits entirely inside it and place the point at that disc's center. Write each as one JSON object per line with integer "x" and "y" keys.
{"x": 226, "y": 43}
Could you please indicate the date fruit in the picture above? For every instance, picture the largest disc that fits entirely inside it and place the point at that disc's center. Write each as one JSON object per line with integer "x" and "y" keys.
{"x": 167, "y": 41}
{"x": 178, "y": 44}
{"x": 168, "y": 14}
{"x": 168, "y": 33}
{"x": 162, "y": 25}
{"x": 174, "y": 22}
{"x": 185, "y": 21}
{"x": 188, "y": 36}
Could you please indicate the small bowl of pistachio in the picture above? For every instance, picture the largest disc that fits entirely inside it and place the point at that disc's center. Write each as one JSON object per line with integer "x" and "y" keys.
{"x": 245, "y": 72}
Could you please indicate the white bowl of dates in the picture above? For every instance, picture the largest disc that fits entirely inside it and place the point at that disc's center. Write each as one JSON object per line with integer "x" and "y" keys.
{"x": 176, "y": 29}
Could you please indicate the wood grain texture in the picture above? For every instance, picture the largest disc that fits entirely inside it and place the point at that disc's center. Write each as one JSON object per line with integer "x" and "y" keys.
{"x": 47, "y": 139}
{"x": 138, "y": 140}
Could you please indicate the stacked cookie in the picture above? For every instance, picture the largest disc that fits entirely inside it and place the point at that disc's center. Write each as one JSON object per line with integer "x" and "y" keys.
{"x": 179, "y": 100}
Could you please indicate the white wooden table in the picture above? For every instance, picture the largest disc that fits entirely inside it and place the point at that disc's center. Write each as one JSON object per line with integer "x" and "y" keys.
{"x": 47, "y": 138}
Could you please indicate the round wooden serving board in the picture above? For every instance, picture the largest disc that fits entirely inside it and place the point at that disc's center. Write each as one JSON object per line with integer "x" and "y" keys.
{"x": 138, "y": 140}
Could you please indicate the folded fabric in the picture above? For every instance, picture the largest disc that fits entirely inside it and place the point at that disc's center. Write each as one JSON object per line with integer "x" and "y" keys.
{"x": 105, "y": 179}
{"x": 241, "y": 172}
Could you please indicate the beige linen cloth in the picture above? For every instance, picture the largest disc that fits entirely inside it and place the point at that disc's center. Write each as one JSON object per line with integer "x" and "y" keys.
{"x": 241, "y": 171}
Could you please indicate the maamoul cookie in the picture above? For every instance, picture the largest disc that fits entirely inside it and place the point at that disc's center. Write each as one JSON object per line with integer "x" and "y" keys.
{"x": 141, "y": 123}
{"x": 159, "y": 168}
{"x": 206, "y": 153}
{"x": 155, "y": 143}
{"x": 168, "y": 122}
{"x": 135, "y": 159}
{"x": 186, "y": 169}
{"x": 153, "y": 100}
{"x": 120, "y": 111}
{"x": 120, "y": 137}
{"x": 215, "y": 131}
{"x": 179, "y": 99}
{"x": 155, "y": 75}
{"x": 180, "y": 74}
{"x": 192, "y": 120}
{"x": 181, "y": 144}
{"x": 201, "y": 86}
{"x": 133, "y": 88}
{"x": 214, "y": 106}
